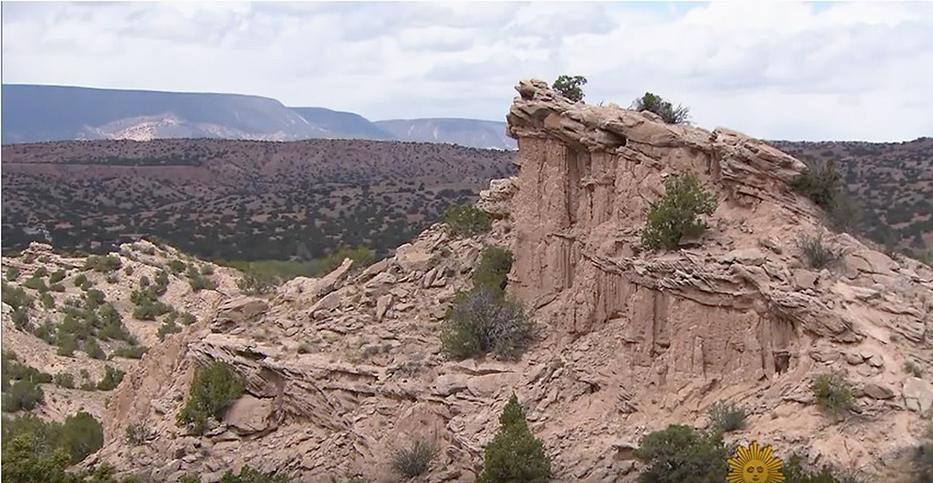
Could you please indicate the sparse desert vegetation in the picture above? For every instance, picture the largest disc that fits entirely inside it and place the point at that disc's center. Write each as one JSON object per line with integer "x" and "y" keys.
{"x": 236, "y": 200}
{"x": 675, "y": 215}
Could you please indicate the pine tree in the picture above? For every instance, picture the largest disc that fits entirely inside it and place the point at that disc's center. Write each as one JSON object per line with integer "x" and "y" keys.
{"x": 515, "y": 455}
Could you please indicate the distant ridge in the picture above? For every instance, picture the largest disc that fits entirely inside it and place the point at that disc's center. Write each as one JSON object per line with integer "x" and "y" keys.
{"x": 37, "y": 113}
{"x": 468, "y": 132}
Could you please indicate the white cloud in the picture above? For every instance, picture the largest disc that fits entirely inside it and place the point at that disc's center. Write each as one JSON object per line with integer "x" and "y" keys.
{"x": 792, "y": 71}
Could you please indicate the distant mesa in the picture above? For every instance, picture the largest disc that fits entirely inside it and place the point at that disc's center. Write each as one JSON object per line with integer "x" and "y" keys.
{"x": 39, "y": 113}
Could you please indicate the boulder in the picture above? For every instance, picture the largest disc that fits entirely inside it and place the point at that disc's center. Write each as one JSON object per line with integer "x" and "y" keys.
{"x": 328, "y": 302}
{"x": 804, "y": 279}
{"x": 877, "y": 391}
{"x": 237, "y": 312}
{"x": 412, "y": 258}
{"x": 497, "y": 200}
{"x": 249, "y": 415}
{"x": 918, "y": 394}
{"x": 745, "y": 256}
{"x": 448, "y": 384}
{"x": 382, "y": 306}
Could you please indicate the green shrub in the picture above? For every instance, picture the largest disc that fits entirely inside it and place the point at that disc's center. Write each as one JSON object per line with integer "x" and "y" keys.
{"x": 36, "y": 284}
{"x": 680, "y": 453}
{"x": 128, "y": 270}
{"x": 20, "y": 318}
{"x": 57, "y": 276}
{"x": 12, "y": 274}
{"x": 13, "y": 369}
{"x": 819, "y": 182}
{"x": 177, "y": 266}
{"x": 833, "y": 393}
{"x": 133, "y": 352}
{"x": 136, "y": 434}
{"x": 35, "y": 450}
{"x": 675, "y": 215}
{"x": 912, "y": 368}
{"x": 47, "y": 300}
{"x": 250, "y": 475}
{"x": 515, "y": 454}
{"x": 482, "y": 321}
{"x": 207, "y": 269}
{"x": 199, "y": 283}
{"x": 794, "y": 472}
{"x": 186, "y": 318}
{"x": 103, "y": 263}
{"x": 81, "y": 435}
{"x": 65, "y": 380}
{"x": 92, "y": 349}
{"x": 67, "y": 345}
{"x": 93, "y": 298}
{"x": 26, "y": 459}
{"x": 570, "y": 87}
{"x": 81, "y": 280}
{"x": 656, "y": 104}
{"x": 816, "y": 253}
{"x": 415, "y": 459}
{"x": 924, "y": 458}
{"x": 111, "y": 379}
{"x": 494, "y": 266}
{"x": 212, "y": 390}
{"x": 168, "y": 327}
{"x": 41, "y": 272}
{"x": 161, "y": 280}
{"x": 45, "y": 332}
{"x": 15, "y": 297}
{"x": 824, "y": 186}
{"x": 726, "y": 417}
{"x": 466, "y": 220}
{"x": 844, "y": 213}
{"x": 23, "y": 394}
{"x": 150, "y": 309}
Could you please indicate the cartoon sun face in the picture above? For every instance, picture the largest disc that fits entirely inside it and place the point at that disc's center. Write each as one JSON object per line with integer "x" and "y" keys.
{"x": 754, "y": 464}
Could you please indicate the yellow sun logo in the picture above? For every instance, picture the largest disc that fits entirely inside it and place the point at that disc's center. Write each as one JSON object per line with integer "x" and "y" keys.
{"x": 755, "y": 464}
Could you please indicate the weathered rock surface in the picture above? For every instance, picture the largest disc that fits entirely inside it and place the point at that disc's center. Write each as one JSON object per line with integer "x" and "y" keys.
{"x": 631, "y": 341}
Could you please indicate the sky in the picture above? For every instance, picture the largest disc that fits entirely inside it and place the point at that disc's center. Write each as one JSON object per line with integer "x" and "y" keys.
{"x": 840, "y": 71}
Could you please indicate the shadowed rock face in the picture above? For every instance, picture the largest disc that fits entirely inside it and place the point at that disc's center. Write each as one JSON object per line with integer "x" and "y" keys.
{"x": 341, "y": 371}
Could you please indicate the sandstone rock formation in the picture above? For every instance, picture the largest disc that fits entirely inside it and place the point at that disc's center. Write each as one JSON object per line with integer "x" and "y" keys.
{"x": 340, "y": 373}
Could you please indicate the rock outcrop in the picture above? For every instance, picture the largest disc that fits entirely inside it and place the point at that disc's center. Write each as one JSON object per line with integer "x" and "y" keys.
{"x": 632, "y": 341}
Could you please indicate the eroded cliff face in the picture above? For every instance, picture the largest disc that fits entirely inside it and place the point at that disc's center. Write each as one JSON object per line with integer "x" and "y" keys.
{"x": 342, "y": 370}
{"x": 735, "y": 314}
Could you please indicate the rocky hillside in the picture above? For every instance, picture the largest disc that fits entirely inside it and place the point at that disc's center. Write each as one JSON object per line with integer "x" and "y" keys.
{"x": 341, "y": 371}
{"x": 892, "y": 181}
{"x": 82, "y": 322}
